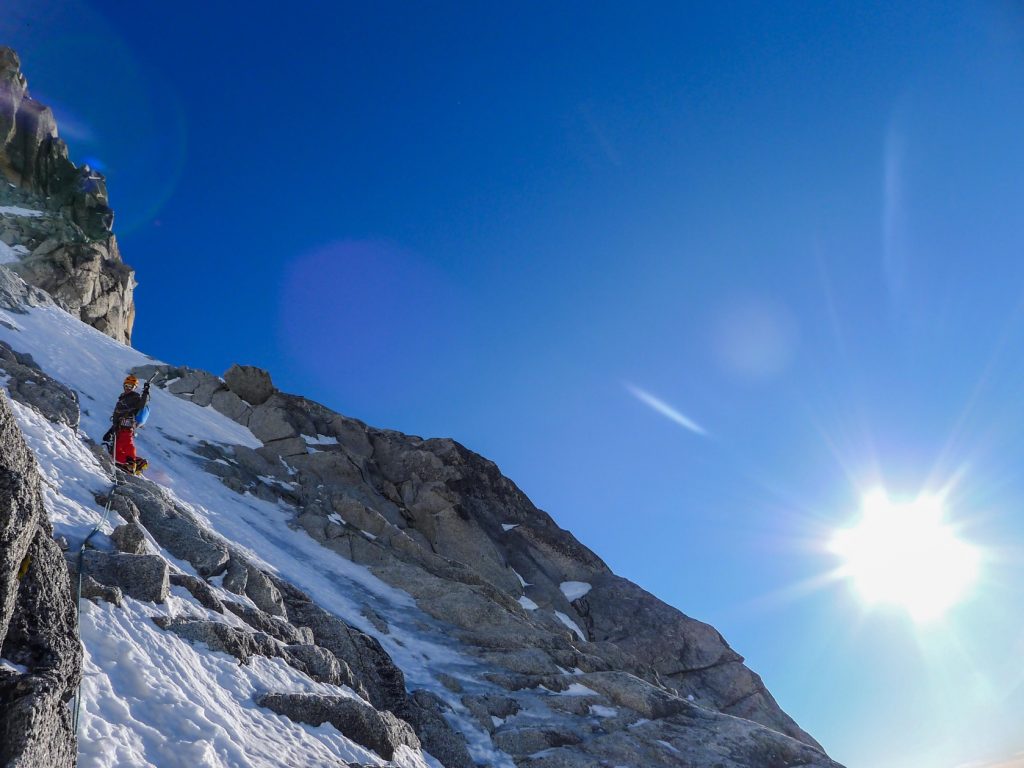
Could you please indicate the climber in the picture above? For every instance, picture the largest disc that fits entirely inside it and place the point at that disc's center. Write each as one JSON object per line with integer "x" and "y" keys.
{"x": 129, "y": 413}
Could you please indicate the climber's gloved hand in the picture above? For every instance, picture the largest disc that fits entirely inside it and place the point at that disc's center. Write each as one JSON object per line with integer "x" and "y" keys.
{"x": 145, "y": 388}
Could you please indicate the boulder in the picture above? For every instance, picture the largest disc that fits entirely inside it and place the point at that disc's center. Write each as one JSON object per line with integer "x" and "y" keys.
{"x": 375, "y": 674}
{"x": 130, "y": 538}
{"x": 526, "y": 741}
{"x": 268, "y": 423}
{"x": 144, "y": 577}
{"x": 231, "y": 405}
{"x": 200, "y": 590}
{"x": 380, "y": 731}
{"x": 272, "y": 625}
{"x": 174, "y": 528}
{"x": 261, "y": 590}
{"x": 218, "y": 636}
{"x": 250, "y": 383}
{"x": 320, "y": 664}
{"x": 93, "y": 590}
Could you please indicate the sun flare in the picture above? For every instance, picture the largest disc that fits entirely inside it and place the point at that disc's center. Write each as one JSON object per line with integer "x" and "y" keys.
{"x": 905, "y": 554}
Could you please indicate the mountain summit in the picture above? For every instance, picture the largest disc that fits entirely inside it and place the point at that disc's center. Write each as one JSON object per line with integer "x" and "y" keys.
{"x": 290, "y": 586}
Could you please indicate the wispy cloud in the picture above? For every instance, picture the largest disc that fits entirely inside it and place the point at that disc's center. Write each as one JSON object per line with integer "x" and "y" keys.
{"x": 894, "y": 235}
{"x": 666, "y": 410}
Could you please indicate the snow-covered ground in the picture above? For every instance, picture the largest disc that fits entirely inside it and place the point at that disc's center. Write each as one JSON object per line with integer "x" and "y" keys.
{"x": 17, "y": 210}
{"x": 9, "y": 253}
{"x": 149, "y": 697}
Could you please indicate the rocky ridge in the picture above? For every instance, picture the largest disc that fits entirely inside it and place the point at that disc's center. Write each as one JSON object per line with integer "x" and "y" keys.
{"x": 540, "y": 611}
{"x": 55, "y": 219}
{"x": 572, "y": 666}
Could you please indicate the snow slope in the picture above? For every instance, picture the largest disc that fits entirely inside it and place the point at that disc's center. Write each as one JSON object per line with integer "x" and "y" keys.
{"x": 136, "y": 675}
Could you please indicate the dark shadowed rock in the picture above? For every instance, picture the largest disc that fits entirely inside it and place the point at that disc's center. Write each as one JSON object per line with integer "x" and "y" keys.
{"x": 38, "y": 621}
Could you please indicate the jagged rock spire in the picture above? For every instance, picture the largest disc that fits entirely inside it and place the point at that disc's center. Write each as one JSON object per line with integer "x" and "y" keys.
{"x": 70, "y": 250}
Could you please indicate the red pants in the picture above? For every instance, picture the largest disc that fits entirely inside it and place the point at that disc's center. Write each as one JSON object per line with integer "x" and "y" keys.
{"x": 124, "y": 445}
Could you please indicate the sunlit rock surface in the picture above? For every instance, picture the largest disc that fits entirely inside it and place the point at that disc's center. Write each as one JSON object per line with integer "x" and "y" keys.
{"x": 331, "y": 593}
{"x": 55, "y": 219}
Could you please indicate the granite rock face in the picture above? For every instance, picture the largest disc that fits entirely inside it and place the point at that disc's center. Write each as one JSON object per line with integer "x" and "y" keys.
{"x": 59, "y": 221}
{"x": 571, "y": 666}
{"x": 250, "y": 383}
{"x": 530, "y": 601}
{"x": 29, "y": 385}
{"x": 380, "y": 731}
{"x": 38, "y": 621}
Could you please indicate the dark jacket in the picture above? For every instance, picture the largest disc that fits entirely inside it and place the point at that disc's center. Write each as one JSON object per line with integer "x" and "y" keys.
{"x": 128, "y": 406}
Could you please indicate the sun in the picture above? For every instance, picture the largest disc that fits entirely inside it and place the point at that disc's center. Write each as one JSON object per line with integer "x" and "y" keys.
{"x": 905, "y": 554}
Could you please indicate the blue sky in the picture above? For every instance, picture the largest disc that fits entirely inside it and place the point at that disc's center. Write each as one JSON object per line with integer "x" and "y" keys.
{"x": 796, "y": 225}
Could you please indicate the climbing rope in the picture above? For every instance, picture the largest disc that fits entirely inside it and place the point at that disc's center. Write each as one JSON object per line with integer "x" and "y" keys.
{"x": 78, "y": 591}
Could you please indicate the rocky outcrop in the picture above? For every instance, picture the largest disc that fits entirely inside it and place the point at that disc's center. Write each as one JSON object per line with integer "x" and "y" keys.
{"x": 563, "y": 664}
{"x": 29, "y": 385}
{"x": 443, "y": 524}
{"x": 250, "y": 383}
{"x": 34, "y": 158}
{"x": 380, "y": 731}
{"x": 144, "y": 577}
{"x": 38, "y": 622}
{"x": 56, "y": 216}
{"x": 281, "y": 621}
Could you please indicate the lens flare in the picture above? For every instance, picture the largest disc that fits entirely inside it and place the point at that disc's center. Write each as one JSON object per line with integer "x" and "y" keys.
{"x": 904, "y": 554}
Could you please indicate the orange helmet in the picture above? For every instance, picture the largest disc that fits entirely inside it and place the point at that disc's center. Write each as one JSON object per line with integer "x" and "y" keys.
{"x": 131, "y": 381}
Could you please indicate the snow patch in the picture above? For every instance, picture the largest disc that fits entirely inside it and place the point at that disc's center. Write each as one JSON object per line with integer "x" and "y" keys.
{"x": 320, "y": 440}
{"x": 574, "y": 590}
{"x": 11, "y": 253}
{"x": 528, "y": 604}
{"x": 521, "y": 579}
{"x": 17, "y": 210}
{"x": 11, "y": 666}
{"x": 268, "y": 480}
{"x": 599, "y": 710}
{"x": 572, "y": 625}
{"x": 509, "y": 526}
{"x": 579, "y": 689}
